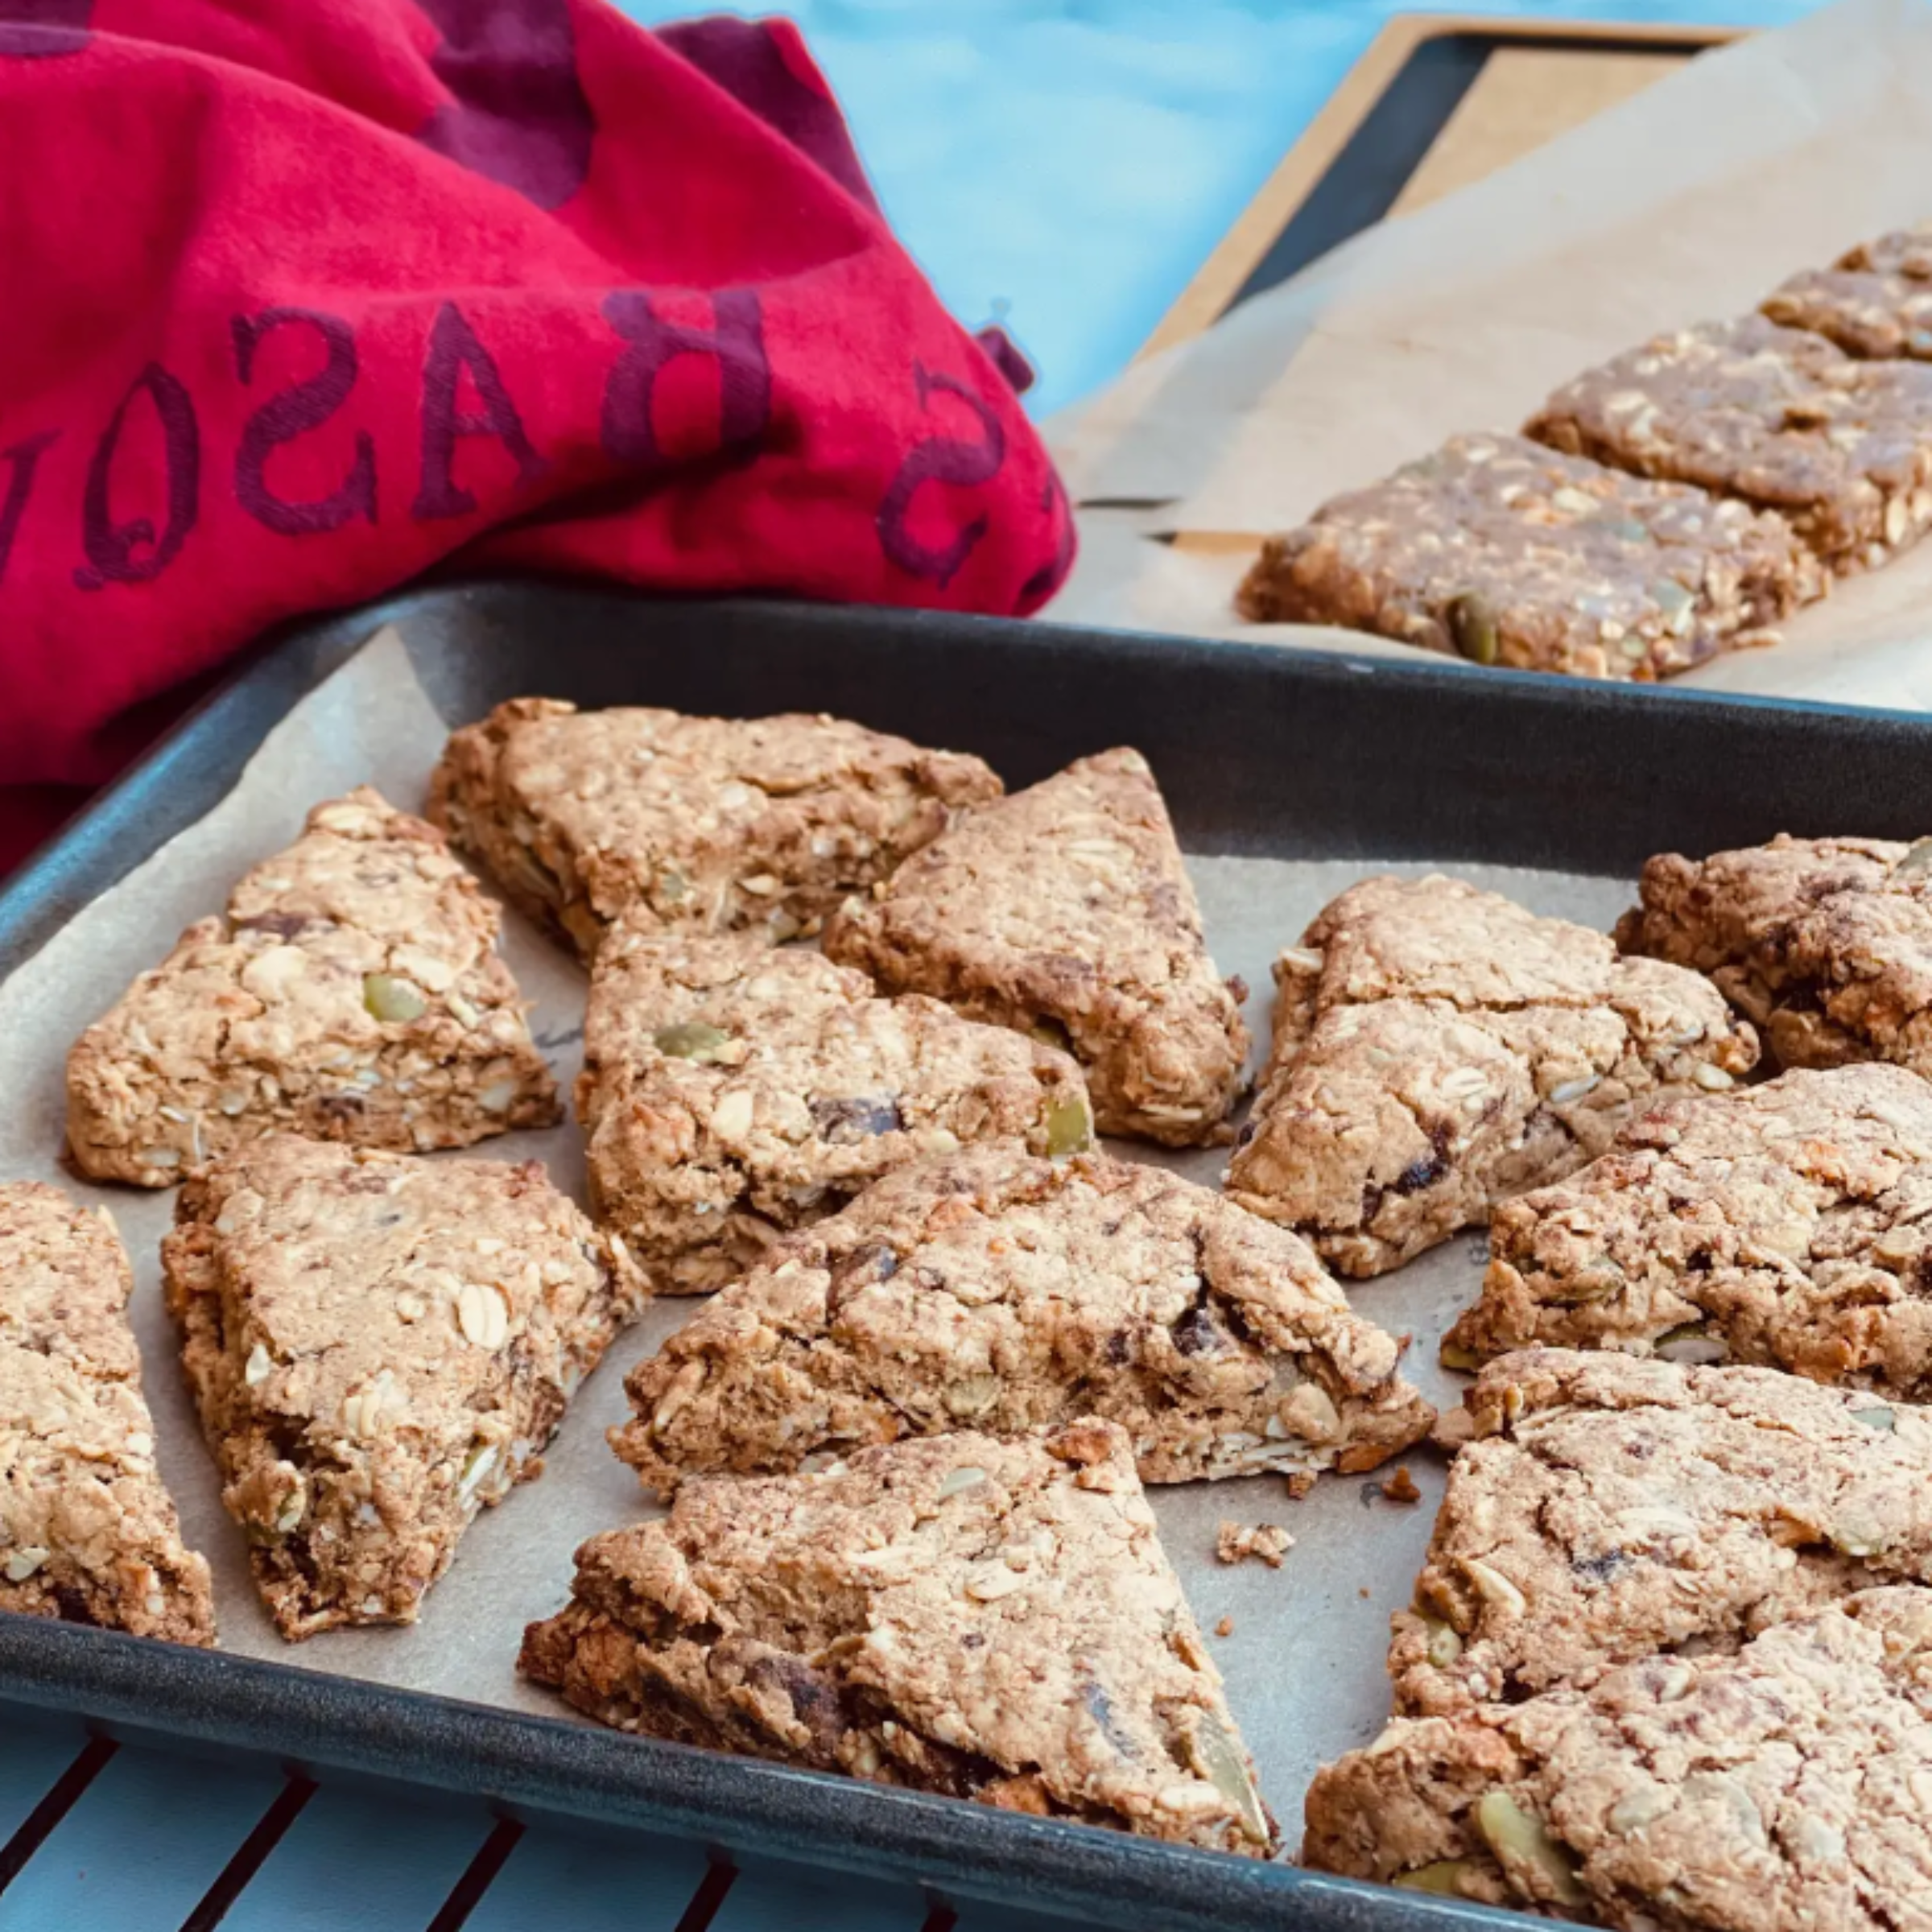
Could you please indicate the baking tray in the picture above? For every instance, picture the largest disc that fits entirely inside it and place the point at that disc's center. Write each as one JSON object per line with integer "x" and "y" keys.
{"x": 1264, "y": 752}
{"x": 1437, "y": 101}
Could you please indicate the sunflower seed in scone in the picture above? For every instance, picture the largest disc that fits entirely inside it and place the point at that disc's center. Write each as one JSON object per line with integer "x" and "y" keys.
{"x": 1497, "y": 550}
{"x": 351, "y": 992}
{"x": 704, "y": 825}
{"x": 985, "y": 1618}
{"x": 1067, "y": 910}
{"x": 733, "y": 1091}
{"x": 1825, "y": 944}
{"x": 380, "y": 1345}
{"x": 88, "y": 1533}
{"x": 998, "y": 1291}
{"x": 1785, "y": 1787}
{"x": 1789, "y": 1225}
{"x": 1781, "y": 419}
{"x": 1438, "y": 1049}
{"x": 1609, "y": 1508}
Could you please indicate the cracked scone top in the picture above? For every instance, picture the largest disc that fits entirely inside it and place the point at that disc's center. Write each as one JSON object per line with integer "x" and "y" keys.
{"x": 379, "y": 1345}
{"x": 351, "y": 992}
{"x": 1609, "y": 1508}
{"x": 1791, "y": 1222}
{"x": 731, "y": 1090}
{"x": 1438, "y": 1048}
{"x": 1785, "y": 1788}
{"x": 88, "y": 1532}
{"x": 988, "y": 1620}
{"x": 705, "y": 825}
{"x": 1067, "y": 909}
{"x": 1000, "y": 1292}
{"x": 1826, "y": 944}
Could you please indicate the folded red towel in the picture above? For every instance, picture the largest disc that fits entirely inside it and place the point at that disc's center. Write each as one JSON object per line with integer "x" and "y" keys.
{"x": 301, "y": 299}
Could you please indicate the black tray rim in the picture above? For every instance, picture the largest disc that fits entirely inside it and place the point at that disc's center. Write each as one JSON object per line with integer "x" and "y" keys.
{"x": 298, "y": 1715}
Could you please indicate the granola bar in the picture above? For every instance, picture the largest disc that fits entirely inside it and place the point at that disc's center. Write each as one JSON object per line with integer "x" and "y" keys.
{"x": 1787, "y": 1223}
{"x": 1501, "y": 551}
{"x": 1066, "y": 910}
{"x": 1781, "y": 418}
{"x": 1785, "y": 1788}
{"x": 1903, "y": 251}
{"x": 1438, "y": 1049}
{"x": 1824, "y": 944}
{"x": 351, "y": 992}
{"x": 998, "y": 1291}
{"x": 731, "y": 1092}
{"x": 1865, "y": 312}
{"x": 1609, "y": 1508}
{"x": 88, "y": 1533}
{"x": 379, "y": 1346}
{"x": 707, "y": 824}
{"x": 988, "y": 1619}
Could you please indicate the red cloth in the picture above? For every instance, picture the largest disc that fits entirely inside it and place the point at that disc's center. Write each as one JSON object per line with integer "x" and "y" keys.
{"x": 302, "y": 298}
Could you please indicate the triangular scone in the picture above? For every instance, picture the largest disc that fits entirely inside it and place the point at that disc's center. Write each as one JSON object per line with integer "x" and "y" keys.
{"x": 701, "y": 824}
{"x": 351, "y": 992}
{"x": 1791, "y": 1223}
{"x": 1787, "y": 1787}
{"x": 380, "y": 1346}
{"x": 999, "y": 1292}
{"x": 87, "y": 1532}
{"x": 1609, "y": 1508}
{"x": 1066, "y": 909}
{"x": 985, "y": 1619}
{"x": 732, "y": 1090}
{"x": 1438, "y": 1049}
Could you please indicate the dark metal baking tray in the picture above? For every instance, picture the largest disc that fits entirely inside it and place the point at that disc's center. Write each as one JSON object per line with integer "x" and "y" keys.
{"x": 1262, "y": 751}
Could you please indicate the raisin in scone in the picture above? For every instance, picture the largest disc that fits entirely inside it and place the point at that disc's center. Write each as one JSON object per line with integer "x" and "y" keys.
{"x": 88, "y": 1532}
{"x": 1066, "y": 910}
{"x": 1608, "y": 1509}
{"x": 998, "y": 1291}
{"x": 380, "y": 1346}
{"x": 1785, "y": 1787}
{"x": 351, "y": 992}
{"x": 1438, "y": 1049}
{"x": 700, "y": 824}
{"x": 733, "y": 1091}
{"x": 1790, "y": 1223}
{"x": 988, "y": 1619}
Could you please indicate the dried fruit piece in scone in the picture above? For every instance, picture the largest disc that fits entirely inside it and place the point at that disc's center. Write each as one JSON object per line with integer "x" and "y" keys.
{"x": 998, "y": 1291}
{"x": 733, "y": 1091}
{"x": 702, "y": 824}
{"x": 1067, "y": 910}
{"x": 985, "y": 1618}
{"x": 1782, "y": 1787}
{"x": 380, "y": 1345}
{"x": 1438, "y": 1049}
{"x": 1608, "y": 1509}
{"x": 88, "y": 1532}
{"x": 351, "y": 992}
{"x": 1825, "y": 944}
{"x": 1789, "y": 1225}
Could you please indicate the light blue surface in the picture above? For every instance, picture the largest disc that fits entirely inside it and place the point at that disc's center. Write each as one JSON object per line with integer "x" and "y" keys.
{"x": 1063, "y": 165}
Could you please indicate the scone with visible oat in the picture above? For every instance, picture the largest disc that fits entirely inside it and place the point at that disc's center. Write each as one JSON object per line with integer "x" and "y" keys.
{"x": 1066, "y": 910}
{"x": 1608, "y": 1509}
{"x": 351, "y": 992}
{"x": 1782, "y": 1787}
{"x": 997, "y": 1291}
{"x": 988, "y": 1619}
{"x": 700, "y": 824}
{"x": 1826, "y": 944}
{"x": 88, "y": 1532}
{"x": 1791, "y": 1224}
{"x": 380, "y": 1346}
{"x": 1438, "y": 1049}
{"x": 733, "y": 1091}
